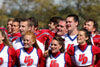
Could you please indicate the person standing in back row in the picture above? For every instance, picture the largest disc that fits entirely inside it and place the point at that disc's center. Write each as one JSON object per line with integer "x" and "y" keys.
{"x": 72, "y": 22}
{"x": 84, "y": 53}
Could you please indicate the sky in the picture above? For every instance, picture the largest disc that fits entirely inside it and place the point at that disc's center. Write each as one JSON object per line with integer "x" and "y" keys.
{"x": 56, "y": 1}
{"x": 1, "y": 3}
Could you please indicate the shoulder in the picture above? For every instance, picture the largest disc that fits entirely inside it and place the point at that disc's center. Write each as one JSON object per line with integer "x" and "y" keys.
{"x": 11, "y": 50}
{"x": 71, "y": 50}
{"x": 95, "y": 49}
{"x": 18, "y": 52}
{"x": 17, "y": 40}
{"x": 39, "y": 50}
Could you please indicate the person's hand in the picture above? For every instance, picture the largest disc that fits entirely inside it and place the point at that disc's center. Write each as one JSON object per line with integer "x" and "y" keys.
{"x": 46, "y": 53}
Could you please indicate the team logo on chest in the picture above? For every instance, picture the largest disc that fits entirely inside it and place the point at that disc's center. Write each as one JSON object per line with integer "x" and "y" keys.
{"x": 53, "y": 63}
{"x": 28, "y": 60}
{"x": 83, "y": 58}
{"x": 1, "y": 60}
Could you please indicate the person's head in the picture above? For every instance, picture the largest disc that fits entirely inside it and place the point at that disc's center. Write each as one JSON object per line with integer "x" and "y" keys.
{"x": 34, "y": 23}
{"x": 57, "y": 45}
{"x": 91, "y": 25}
{"x": 72, "y": 22}
{"x": 9, "y": 24}
{"x": 25, "y": 25}
{"x": 15, "y": 25}
{"x": 61, "y": 28}
{"x": 53, "y": 23}
{"x": 4, "y": 38}
{"x": 83, "y": 37}
{"x": 29, "y": 40}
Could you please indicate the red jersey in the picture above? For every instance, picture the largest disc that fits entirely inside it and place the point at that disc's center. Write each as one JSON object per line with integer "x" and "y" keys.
{"x": 15, "y": 36}
{"x": 7, "y": 56}
{"x": 45, "y": 35}
{"x": 27, "y": 57}
{"x": 4, "y": 29}
{"x": 96, "y": 40}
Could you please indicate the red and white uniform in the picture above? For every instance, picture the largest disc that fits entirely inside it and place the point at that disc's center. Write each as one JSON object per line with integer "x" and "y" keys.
{"x": 15, "y": 36}
{"x": 18, "y": 43}
{"x": 70, "y": 41}
{"x": 96, "y": 40}
{"x": 83, "y": 55}
{"x": 87, "y": 54}
{"x": 45, "y": 34}
{"x": 30, "y": 57}
{"x": 7, "y": 56}
{"x": 4, "y": 29}
{"x": 58, "y": 60}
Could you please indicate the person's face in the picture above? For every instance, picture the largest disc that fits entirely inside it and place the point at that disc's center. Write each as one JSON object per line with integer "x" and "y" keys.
{"x": 70, "y": 23}
{"x": 28, "y": 41}
{"x": 1, "y": 38}
{"x": 15, "y": 27}
{"x": 81, "y": 38}
{"x": 55, "y": 46}
{"x": 89, "y": 26}
{"x": 9, "y": 24}
{"x": 61, "y": 28}
{"x": 52, "y": 26}
{"x": 24, "y": 27}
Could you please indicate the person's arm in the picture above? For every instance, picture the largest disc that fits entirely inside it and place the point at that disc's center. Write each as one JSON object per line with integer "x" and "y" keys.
{"x": 17, "y": 58}
{"x": 68, "y": 60}
{"x": 71, "y": 51}
{"x": 41, "y": 58}
{"x": 95, "y": 50}
{"x": 12, "y": 56}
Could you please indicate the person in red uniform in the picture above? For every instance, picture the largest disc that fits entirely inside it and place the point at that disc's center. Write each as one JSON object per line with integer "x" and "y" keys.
{"x": 45, "y": 36}
{"x": 30, "y": 54}
{"x": 92, "y": 26}
{"x": 7, "y": 52}
{"x": 15, "y": 29}
{"x": 57, "y": 57}
{"x": 4, "y": 29}
{"x": 83, "y": 54}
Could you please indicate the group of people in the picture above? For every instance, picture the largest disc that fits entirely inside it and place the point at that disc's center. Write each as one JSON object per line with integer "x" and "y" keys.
{"x": 22, "y": 44}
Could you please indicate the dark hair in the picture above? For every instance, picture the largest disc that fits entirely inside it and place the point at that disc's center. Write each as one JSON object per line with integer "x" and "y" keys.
{"x": 76, "y": 18}
{"x": 55, "y": 19}
{"x": 34, "y": 20}
{"x": 87, "y": 34}
{"x": 17, "y": 20}
{"x": 6, "y": 40}
{"x": 61, "y": 42}
{"x": 95, "y": 24}
{"x": 30, "y": 23}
